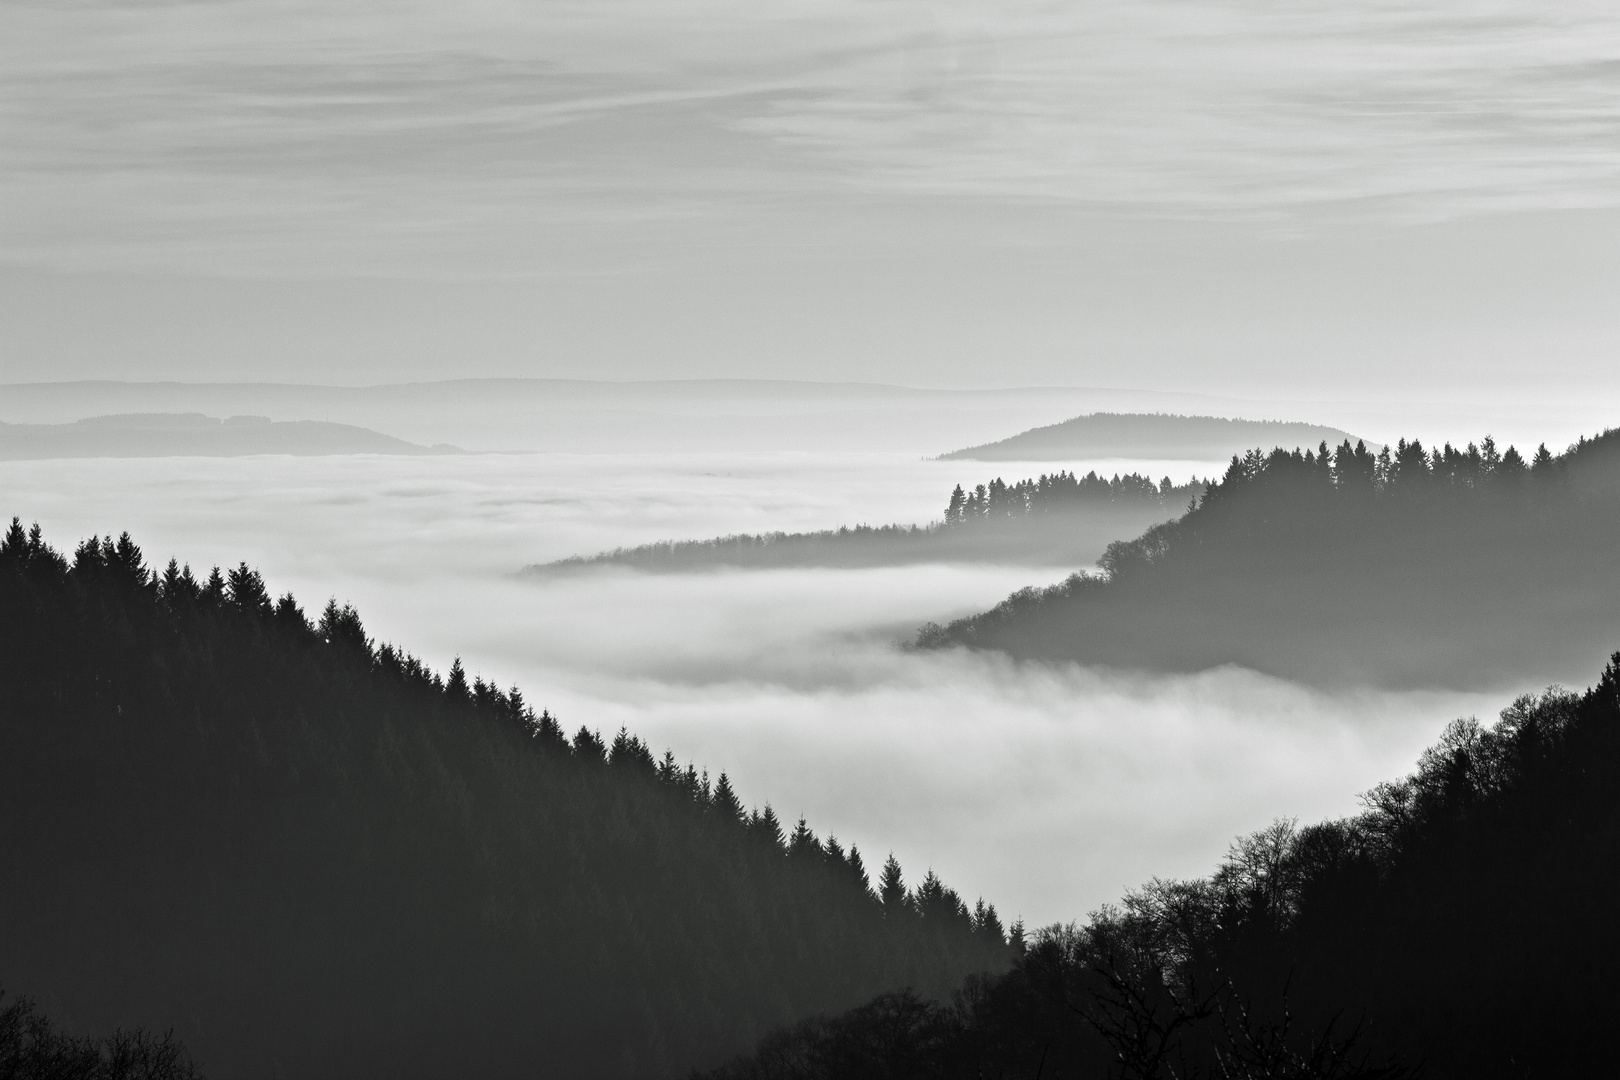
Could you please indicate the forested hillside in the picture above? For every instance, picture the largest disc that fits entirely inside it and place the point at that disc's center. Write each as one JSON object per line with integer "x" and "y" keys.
{"x": 1055, "y": 520}
{"x": 311, "y": 856}
{"x": 1461, "y": 928}
{"x": 1468, "y": 567}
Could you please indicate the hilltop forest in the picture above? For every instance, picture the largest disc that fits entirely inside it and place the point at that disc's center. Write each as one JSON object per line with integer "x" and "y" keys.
{"x": 1057, "y": 519}
{"x": 1461, "y": 928}
{"x": 311, "y": 856}
{"x": 1463, "y": 567}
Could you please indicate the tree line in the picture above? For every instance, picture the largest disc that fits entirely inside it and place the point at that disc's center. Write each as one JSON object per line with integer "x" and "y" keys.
{"x": 1064, "y": 492}
{"x": 1408, "y": 567}
{"x": 312, "y": 854}
{"x": 1460, "y": 928}
{"x": 1055, "y": 519}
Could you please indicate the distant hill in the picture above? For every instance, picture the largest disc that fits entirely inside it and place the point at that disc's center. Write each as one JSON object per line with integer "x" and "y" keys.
{"x": 1462, "y": 568}
{"x": 313, "y": 857}
{"x": 726, "y": 415}
{"x": 195, "y": 435}
{"x": 1149, "y": 435}
{"x": 1055, "y": 520}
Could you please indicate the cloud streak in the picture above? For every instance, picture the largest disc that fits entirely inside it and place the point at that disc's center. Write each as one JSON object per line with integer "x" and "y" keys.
{"x": 254, "y": 135}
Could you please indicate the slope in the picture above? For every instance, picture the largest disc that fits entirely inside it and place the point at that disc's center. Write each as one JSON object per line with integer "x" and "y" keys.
{"x": 1054, "y": 520}
{"x": 1463, "y": 568}
{"x": 314, "y": 857}
{"x": 1461, "y": 928}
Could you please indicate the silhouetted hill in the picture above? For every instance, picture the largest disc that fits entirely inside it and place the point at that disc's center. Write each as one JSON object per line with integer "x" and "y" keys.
{"x": 1461, "y": 928}
{"x": 314, "y": 857}
{"x": 1147, "y": 435}
{"x": 1459, "y": 568}
{"x": 195, "y": 435}
{"x": 1055, "y": 520}
{"x": 718, "y": 415}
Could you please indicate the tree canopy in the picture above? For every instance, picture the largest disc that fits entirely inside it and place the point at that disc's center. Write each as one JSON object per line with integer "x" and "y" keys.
{"x": 1459, "y": 567}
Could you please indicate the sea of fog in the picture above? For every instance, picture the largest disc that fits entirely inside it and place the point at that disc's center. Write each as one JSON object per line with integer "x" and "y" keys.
{"x": 1048, "y": 790}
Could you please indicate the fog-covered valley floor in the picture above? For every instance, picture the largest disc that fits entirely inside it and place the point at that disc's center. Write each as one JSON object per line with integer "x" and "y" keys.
{"x": 1046, "y": 790}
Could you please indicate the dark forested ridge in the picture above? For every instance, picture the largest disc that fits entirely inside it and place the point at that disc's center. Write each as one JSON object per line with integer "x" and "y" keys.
{"x": 1146, "y": 435}
{"x": 1469, "y": 567}
{"x": 1461, "y": 928}
{"x": 196, "y": 435}
{"x": 1054, "y": 520}
{"x": 311, "y": 856}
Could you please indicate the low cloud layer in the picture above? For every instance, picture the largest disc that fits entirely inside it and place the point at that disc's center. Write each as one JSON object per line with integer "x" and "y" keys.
{"x": 1047, "y": 790}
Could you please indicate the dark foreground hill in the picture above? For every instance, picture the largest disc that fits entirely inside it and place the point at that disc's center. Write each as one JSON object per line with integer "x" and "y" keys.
{"x": 1462, "y": 928}
{"x": 312, "y": 857}
{"x": 1147, "y": 435}
{"x": 1054, "y": 520}
{"x": 1465, "y": 568}
{"x": 195, "y": 435}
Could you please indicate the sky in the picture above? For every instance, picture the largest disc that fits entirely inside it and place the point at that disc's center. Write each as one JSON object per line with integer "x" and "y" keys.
{"x": 1419, "y": 201}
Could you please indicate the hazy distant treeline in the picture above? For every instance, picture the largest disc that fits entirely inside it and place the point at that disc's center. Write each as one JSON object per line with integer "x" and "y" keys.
{"x": 1458, "y": 567}
{"x": 312, "y": 856}
{"x": 1058, "y": 519}
{"x": 1461, "y": 928}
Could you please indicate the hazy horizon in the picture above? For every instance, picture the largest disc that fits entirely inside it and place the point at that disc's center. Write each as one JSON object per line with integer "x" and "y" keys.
{"x": 1416, "y": 205}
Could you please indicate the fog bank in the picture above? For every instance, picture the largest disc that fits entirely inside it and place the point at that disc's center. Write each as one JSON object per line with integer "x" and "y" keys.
{"x": 1046, "y": 790}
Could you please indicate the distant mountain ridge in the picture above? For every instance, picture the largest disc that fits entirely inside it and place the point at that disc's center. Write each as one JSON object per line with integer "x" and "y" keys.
{"x": 724, "y": 415}
{"x": 196, "y": 435}
{"x": 1149, "y": 435}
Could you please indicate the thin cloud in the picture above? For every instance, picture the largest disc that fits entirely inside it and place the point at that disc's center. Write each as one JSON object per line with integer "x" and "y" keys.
{"x": 255, "y": 136}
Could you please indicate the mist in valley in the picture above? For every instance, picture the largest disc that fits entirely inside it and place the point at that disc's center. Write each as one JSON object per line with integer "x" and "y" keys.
{"x": 1046, "y": 789}
{"x": 606, "y": 380}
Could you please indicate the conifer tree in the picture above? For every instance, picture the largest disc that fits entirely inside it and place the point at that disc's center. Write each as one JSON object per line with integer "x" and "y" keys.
{"x": 803, "y": 844}
{"x": 857, "y": 869}
{"x": 455, "y": 686}
{"x": 766, "y": 828}
{"x": 892, "y": 888}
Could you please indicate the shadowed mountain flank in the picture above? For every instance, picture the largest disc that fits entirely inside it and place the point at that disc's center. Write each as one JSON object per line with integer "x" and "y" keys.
{"x": 1147, "y": 435}
{"x": 196, "y": 435}
{"x": 1460, "y": 928}
{"x": 312, "y": 856}
{"x": 1467, "y": 567}
{"x": 1053, "y": 520}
